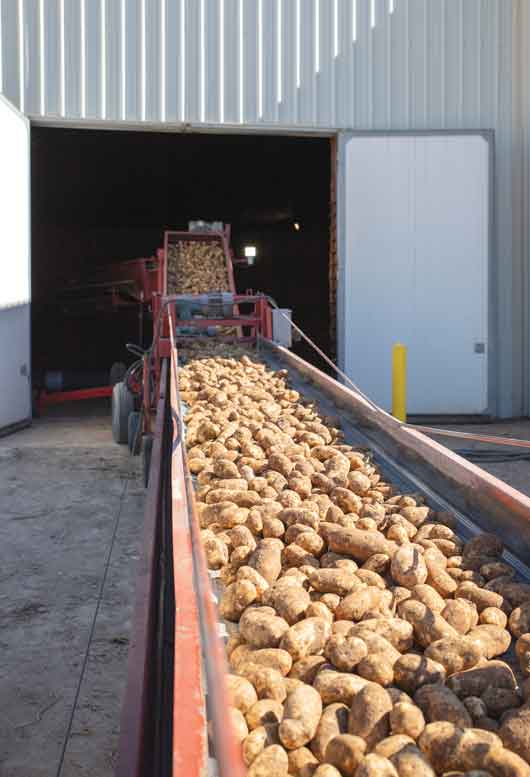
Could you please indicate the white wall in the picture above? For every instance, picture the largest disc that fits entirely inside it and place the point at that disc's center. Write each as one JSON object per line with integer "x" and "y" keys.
{"x": 357, "y": 64}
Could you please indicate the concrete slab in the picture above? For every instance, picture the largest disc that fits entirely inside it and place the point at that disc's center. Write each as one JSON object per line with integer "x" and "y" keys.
{"x": 70, "y": 527}
{"x": 515, "y": 473}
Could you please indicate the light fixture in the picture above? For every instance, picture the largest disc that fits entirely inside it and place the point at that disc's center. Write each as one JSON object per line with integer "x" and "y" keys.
{"x": 250, "y": 254}
{"x": 296, "y": 225}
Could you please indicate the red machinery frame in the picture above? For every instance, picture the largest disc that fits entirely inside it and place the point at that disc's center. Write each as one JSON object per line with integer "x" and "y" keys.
{"x": 142, "y": 282}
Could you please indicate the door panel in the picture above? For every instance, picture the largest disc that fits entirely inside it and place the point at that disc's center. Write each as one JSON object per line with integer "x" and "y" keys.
{"x": 415, "y": 253}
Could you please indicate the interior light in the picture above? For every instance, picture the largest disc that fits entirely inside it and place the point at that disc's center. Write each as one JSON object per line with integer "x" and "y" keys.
{"x": 296, "y": 225}
{"x": 250, "y": 252}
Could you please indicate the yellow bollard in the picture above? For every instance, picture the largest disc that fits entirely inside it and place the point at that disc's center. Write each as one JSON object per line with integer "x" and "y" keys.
{"x": 399, "y": 382}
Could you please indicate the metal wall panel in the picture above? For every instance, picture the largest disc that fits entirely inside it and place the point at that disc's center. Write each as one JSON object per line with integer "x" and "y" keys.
{"x": 323, "y": 64}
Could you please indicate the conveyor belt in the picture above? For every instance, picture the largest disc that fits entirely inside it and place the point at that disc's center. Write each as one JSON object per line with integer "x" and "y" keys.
{"x": 406, "y": 458}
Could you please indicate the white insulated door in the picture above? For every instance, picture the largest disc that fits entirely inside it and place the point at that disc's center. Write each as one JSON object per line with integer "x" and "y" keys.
{"x": 15, "y": 380}
{"x": 415, "y": 255}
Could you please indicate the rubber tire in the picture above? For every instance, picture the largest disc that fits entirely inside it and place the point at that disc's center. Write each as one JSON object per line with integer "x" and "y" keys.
{"x": 117, "y": 373}
{"x": 133, "y": 434}
{"x": 122, "y": 407}
{"x": 147, "y": 447}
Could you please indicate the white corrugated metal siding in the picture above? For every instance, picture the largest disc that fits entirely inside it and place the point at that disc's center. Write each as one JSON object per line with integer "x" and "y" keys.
{"x": 330, "y": 64}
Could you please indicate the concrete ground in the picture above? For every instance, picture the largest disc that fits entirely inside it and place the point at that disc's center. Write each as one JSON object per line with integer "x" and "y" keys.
{"x": 515, "y": 473}
{"x": 70, "y": 526}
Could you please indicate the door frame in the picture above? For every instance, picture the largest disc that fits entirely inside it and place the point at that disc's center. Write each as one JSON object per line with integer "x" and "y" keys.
{"x": 492, "y": 330}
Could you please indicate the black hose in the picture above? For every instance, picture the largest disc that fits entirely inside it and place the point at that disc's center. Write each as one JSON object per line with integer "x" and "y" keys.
{"x": 491, "y": 456}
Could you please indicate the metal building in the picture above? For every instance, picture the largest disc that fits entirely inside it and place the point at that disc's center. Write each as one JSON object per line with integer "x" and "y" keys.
{"x": 431, "y": 96}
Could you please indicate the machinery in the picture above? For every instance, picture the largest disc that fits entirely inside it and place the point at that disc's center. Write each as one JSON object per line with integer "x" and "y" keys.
{"x": 175, "y": 711}
{"x": 135, "y": 285}
{"x": 220, "y": 313}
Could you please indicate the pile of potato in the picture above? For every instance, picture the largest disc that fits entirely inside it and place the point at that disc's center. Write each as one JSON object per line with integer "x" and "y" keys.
{"x": 196, "y": 267}
{"x": 369, "y": 640}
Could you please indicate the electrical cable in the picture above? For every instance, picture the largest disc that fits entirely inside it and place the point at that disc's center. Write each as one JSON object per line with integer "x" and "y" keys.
{"x": 490, "y": 456}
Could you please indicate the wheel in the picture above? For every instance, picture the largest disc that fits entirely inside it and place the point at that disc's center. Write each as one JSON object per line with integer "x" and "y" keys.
{"x": 147, "y": 447}
{"x": 122, "y": 406}
{"x": 117, "y": 372}
{"x": 134, "y": 433}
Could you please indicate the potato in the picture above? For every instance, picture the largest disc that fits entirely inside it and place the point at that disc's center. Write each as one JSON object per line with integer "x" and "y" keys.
{"x": 396, "y": 631}
{"x": 264, "y": 712}
{"x": 319, "y": 610}
{"x": 345, "y": 752}
{"x": 473, "y": 682}
{"x": 326, "y": 770}
{"x": 334, "y": 721}
{"x": 406, "y": 719}
{"x": 376, "y": 669}
{"x": 428, "y": 626}
{"x": 408, "y": 568}
{"x": 368, "y": 577}
{"x": 411, "y": 671}
{"x": 239, "y": 724}
{"x": 429, "y": 597}
{"x": 490, "y": 640}
{"x": 519, "y": 622}
{"x": 391, "y": 745}
{"x": 241, "y": 692}
{"x": 248, "y": 573}
{"x": 522, "y": 651}
{"x": 437, "y": 702}
{"x": 258, "y": 739}
{"x": 345, "y": 652}
{"x": 480, "y": 597}
{"x": 262, "y": 628}
{"x": 354, "y": 606}
{"x": 374, "y": 765}
{"x": 500, "y": 700}
{"x": 379, "y": 563}
{"x": 409, "y": 760}
{"x": 307, "y": 668}
{"x": 461, "y": 614}
{"x": 335, "y": 687}
{"x": 302, "y": 711}
{"x": 331, "y": 601}
{"x": 335, "y": 581}
{"x": 515, "y": 732}
{"x": 450, "y": 747}
{"x": 273, "y": 658}
{"x": 305, "y": 638}
{"x": 501, "y": 762}
{"x": 369, "y": 714}
{"x": 416, "y": 515}
{"x": 438, "y": 577}
{"x": 302, "y": 762}
{"x": 271, "y": 761}
{"x": 267, "y": 560}
{"x": 288, "y": 598}
{"x": 455, "y": 654}
{"x": 236, "y": 598}
{"x": 268, "y": 682}
{"x": 216, "y": 552}
{"x": 360, "y": 544}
